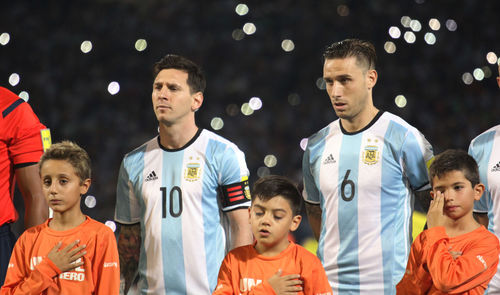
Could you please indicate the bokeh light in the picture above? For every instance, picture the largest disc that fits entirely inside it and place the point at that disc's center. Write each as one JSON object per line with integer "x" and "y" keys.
{"x": 113, "y": 88}
{"x": 287, "y": 45}
{"x": 491, "y": 57}
{"x": 90, "y": 201}
{"x": 415, "y": 25}
{"x": 343, "y": 10}
{"x": 400, "y": 101}
{"x": 430, "y": 38}
{"x": 320, "y": 83}
{"x": 390, "y": 47}
{"x": 217, "y": 123}
{"x": 405, "y": 21}
{"x": 249, "y": 28}
{"x": 255, "y": 103}
{"x": 410, "y": 37}
{"x": 14, "y": 79}
{"x": 4, "y": 39}
{"x": 246, "y": 109}
{"x": 303, "y": 143}
{"x": 434, "y": 24}
{"x": 238, "y": 34}
{"x": 141, "y": 44}
{"x": 270, "y": 161}
{"x": 241, "y": 9}
{"x": 86, "y": 46}
{"x": 467, "y": 78}
{"x": 451, "y": 25}
{"x": 111, "y": 225}
{"x": 24, "y": 95}
{"x": 294, "y": 99}
{"x": 478, "y": 74}
{"x": 263, "y": 171}
{"x": 394, "y": 32}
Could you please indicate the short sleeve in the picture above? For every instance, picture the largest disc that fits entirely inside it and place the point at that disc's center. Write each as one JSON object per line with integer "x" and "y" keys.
{"x": 311, "y": 193}
{"x": 127, "y": 204}
{"x": 417, "y": 156}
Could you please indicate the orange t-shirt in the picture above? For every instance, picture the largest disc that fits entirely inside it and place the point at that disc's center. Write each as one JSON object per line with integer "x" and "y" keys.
{"x": 431, "y": 268}
{"x": 31, "y": 272}
{"x": 244, "y": 271}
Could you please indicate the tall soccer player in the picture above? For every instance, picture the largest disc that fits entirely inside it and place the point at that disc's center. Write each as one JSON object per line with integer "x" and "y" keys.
{"x": 360, "y": 173}
{"x": 21, "y": 146}
{"x": 176, "y": 191}
{"x": 485, "y": 149}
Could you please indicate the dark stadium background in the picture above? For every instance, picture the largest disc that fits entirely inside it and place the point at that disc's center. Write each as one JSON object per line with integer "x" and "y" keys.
{"x": 446, "y": 98}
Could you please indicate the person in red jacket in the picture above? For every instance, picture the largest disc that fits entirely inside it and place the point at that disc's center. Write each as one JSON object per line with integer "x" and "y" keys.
{"x": 455, "y": 255}
{"x": 22, "y": 140}
{"x": 69, "y": 253}
{"x": 273, "y": 264}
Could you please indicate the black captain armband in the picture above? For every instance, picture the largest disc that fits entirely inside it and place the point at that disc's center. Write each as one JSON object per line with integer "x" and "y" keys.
{"x": 235, "y": 194}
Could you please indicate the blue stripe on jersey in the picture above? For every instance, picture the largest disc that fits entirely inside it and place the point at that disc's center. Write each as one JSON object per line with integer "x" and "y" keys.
{"x": 391, "y": 223}
{"x": 172, "y": 249}
{"x": 315, "y": 148}
{"x": 347, "y": 258}
{"x": 214, "y": 235}
{"x": 414, "y": 158}
{"x": 133, "y": 163}
{"x": 485, "y": 144}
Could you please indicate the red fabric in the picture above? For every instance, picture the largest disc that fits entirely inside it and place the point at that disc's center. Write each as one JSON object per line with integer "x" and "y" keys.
{"x": 31, "y": 272}
{"x": 431, "y": 268}
{"x": 244, "y": 271}
{"x": 20, "y": 142}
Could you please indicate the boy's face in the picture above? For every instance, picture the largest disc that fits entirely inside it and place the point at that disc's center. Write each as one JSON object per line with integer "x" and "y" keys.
{"x": 271, "y": 221}
{"x": 458, "y": 192}
{"x": 61, "y": 186}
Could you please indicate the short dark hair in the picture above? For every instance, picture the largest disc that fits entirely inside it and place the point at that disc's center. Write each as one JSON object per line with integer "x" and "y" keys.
{"x": 271, "y": 186}
{"x": 455, "y": 160}
{"x": 196, "y": 78}
{"x": 72, "y": 153}
{"x": 364, "y": 51}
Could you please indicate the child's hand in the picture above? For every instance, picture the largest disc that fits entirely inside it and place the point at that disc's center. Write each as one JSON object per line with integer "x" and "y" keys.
{"x": 435, "y": 215}
{"x": 285, "y": 284}
{"x": 65, "y": 259}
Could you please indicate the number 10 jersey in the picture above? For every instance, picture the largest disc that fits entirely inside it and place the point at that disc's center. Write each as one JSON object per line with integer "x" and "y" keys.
{"x": 363, "y": 182}
{"x": 177, "y": 197}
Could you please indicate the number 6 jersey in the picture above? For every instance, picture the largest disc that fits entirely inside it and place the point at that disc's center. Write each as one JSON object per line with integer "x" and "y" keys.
{"x": 178, "y": 197}
{"x": 363, "y": 182}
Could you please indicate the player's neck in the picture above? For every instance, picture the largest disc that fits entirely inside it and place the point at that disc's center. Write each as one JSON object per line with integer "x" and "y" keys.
{"x": 359, "y": 121}
{"x": 67, "y": 220}
{"x": 178, "y": 135}
{"x": 463, "y": 225}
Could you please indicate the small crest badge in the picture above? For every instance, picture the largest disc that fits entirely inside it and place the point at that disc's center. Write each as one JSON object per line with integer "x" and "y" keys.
{"x": 192, "y": 172}
{"x": 371, "y": 155}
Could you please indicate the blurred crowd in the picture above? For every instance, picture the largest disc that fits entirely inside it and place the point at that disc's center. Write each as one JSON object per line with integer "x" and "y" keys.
{"x": 68, "y": 88}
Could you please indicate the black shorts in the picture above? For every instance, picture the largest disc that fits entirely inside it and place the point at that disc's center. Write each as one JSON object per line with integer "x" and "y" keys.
{"x": 7, "y": 241}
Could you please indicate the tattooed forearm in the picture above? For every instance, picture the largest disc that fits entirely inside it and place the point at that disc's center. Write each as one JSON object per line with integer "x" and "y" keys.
{"x": 129, "y": 242}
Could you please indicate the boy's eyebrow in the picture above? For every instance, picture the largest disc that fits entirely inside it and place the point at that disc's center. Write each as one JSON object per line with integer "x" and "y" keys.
{"x": 265, "y": 208}
{"x": 453, "y": 184}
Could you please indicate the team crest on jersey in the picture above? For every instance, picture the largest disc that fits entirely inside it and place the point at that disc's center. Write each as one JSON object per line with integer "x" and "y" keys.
{"x": 192, "y": 172}
{"x": 371, "y": 155}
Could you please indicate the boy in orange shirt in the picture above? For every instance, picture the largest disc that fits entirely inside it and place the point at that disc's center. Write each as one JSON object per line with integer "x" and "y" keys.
{"x": 456, "y": 255}
{"x": 273, "y": 264}
{"x": 69, "y": 253}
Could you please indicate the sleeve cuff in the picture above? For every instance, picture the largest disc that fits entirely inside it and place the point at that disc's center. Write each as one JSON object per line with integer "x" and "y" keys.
{"x": 48, "y": 268}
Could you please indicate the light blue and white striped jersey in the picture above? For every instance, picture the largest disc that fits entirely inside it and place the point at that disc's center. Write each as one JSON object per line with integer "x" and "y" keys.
{"x": 485, "y": 149}
{"x": 363, "y": 183}
{"x": 176, "y": 196}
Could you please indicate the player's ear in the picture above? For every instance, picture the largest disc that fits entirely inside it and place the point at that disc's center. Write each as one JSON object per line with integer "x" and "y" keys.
{"x": 371, "y": 78}
{"x": 478, "y": 191}
{"x": 432, "y": 194}
{"x": 84, "y": 186}
{"x": 295, "y": 222}
{"x": 197, "y": 101}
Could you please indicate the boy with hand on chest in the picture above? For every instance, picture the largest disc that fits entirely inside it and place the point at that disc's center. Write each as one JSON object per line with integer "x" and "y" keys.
{"x": 273, "y": 264}
{"x": 69, "y": 253}
{"x": 455, "y": 255}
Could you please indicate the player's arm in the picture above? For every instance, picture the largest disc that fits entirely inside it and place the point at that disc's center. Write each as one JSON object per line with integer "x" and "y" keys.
{"x": 314, "y": 217}
{"x": 241, "y": 232}
{"x": 129, "y": 243}
{"x": 482, "y": 218}
{"x": 30, "y": 186}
